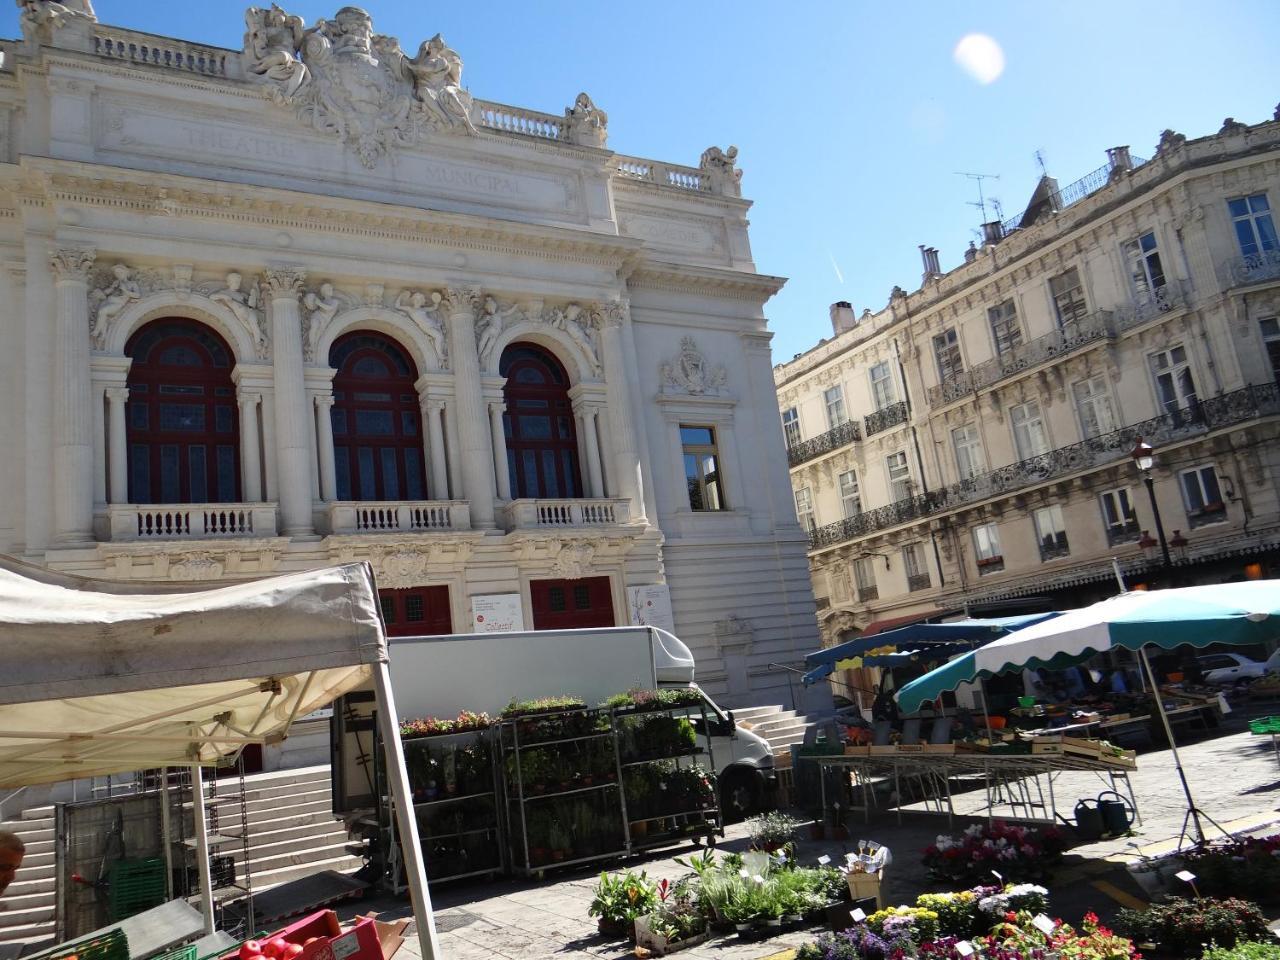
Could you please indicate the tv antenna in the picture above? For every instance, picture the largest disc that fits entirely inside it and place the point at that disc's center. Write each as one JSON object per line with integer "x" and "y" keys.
{"x": 1044, "y": 171}
{"x": 981, "y": 203}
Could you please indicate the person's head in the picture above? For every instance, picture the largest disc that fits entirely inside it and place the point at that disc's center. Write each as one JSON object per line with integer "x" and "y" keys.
{"x": 12, "y": 850}
{"x": 234, "y": 280}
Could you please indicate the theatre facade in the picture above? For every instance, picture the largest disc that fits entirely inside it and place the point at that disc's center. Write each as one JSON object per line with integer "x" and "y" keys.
{"x": 310, "y": 301}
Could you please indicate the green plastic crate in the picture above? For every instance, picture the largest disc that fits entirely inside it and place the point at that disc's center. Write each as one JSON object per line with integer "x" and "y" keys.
{"x": 113, "y": 945}
{"x": 134, "y": 886}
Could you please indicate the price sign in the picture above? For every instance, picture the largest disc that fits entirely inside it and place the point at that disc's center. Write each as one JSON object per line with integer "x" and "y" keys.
{"x": 1186, "y": 876}
{"x": 823, "y": 860}
{"x": 964, "y": 948}
{"x": 856, "y": 915}
{"x": 1043, "y": 924}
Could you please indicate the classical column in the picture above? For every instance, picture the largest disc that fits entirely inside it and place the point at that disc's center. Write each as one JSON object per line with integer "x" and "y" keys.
{"x": 269, "y": 475}
{"x": 118, "y": 450}
{"x": 432, "y": 411}
{"x": 622, "y": 425}
{"x": 99, "y": 445}
{"x": 72, "y": 398}
{"x": 293, "y": 419}
{"x": 250, "y": 457}
{"x": 475, "y": 448}
{"x": 499, "y": 438}
{"x": 595, "y": 484}
{"x": 328, "y": 473}
{"x": 450, "y": 415}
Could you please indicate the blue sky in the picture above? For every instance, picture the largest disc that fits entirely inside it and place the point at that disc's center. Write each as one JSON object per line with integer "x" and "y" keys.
{"x": 851, "y": 118}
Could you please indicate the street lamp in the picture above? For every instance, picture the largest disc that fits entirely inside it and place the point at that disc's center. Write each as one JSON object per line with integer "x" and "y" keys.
{"x": 1144, "y": 458}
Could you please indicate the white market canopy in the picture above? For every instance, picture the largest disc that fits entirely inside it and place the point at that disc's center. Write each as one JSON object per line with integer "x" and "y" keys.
{"x": 99, "y": 677}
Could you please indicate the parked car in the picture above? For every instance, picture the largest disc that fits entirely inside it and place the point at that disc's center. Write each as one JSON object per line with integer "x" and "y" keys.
{"x": 1230, "y": 668}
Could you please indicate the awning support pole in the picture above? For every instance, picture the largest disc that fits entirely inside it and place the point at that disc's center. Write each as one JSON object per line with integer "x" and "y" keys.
{"x": 1192, "y": 811}
{"x": 406, "y": 821}
{"x": 166, "y": 832}
{"x": 202, "y": 846}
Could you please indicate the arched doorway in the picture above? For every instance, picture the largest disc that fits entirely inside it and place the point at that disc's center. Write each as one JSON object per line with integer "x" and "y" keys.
{"x": 542, "y": 443}
{"x": 377, "y": 422}
{"x": 183, "y": 429}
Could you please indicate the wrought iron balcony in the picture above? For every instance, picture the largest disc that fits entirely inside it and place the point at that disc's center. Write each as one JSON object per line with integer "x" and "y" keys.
{"x": 1168, "y": 298}
{"x": 1127, "y": 532}
{"x": 1256, "y": 268}
{"x": 1239, "y": 406}
{"x": 838, "y": 436}
{"x": 918, "y": 581}
{"x": 191, "y": 521}
{"x": 867, "y": 594}
{"x": 886, "y": 417}
{"x": 1054, "y": 548}
{"x": 1067, "y": 339}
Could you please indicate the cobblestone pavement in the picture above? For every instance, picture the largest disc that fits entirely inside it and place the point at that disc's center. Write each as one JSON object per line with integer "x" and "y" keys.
{"x": 1235, "y": 779}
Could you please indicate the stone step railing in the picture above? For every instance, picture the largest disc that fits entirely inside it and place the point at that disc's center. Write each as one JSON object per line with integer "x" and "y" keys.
{"x": 663, "y": 174}
{"x": 133, "y": 47}
{"x": 398, "y": 516}
{"x": 191, "y": 521}
{"x": 596, "y": 512}
{"x": 835, "y": 438}
{"x": 529, "y": 123}
{"x": 1229, "y": 409}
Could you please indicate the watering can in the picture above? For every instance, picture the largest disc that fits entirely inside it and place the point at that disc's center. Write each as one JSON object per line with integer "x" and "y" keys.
{"x": 1089, "y": 819}
{"x": 1116, "y": 813}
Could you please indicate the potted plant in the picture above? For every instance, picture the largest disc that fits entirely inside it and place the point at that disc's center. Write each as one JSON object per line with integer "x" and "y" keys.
{"x": 620, "y": 899}
{"x": 771, "y": 832}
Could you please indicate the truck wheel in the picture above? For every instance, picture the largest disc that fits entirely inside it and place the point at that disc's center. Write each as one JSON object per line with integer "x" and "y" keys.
{"x": 739, "y": 795}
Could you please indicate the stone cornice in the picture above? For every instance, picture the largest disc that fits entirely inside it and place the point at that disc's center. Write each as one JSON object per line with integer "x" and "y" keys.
{"x": 684, "y": 278}
{"x": 172, "y": 195}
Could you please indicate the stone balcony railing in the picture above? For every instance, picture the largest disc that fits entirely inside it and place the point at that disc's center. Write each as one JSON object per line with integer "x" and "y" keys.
{"x": 1239, "y": 406}
{"x": 885, "y": 417}
{"x": 408, "y": 516}
{"x": 663, "y": 174}
{"x": 838, "y": 436}
{"x": 528, "y": 123}
{"x": 191, "y": 521}
{"x": 134, "y": 47}
{"x": 1255, "y": 268}
{"x": 566, "y": 514}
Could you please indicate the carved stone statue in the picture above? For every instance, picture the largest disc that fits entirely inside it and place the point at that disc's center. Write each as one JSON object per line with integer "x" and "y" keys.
{"x": 586, "y": 124}
{"x": 245, "y": 306}
{"x": 573, "y": 320}
{"x": 437, "y": 82}
{"x": 322, "y": 306}
{"x": 113, "y": 299}
{"x": 414, "y": 305}
{"x": 493, "y": 320}
{"x": 1231, "y": 126}
{"x": 271, "y": 41}
{"x": 1169, "y": 141}
{"x": 48, "y": 13}
{"x": 720, "y": 169}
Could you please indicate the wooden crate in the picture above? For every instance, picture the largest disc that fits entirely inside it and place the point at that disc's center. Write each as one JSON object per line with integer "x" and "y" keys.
{"x": 910, "y": 748}
{"x": 887, "y": 750}
{"x": 1045, "y": 747}
{"x": 857, "y": 751}
{"x": 939, "y": 748}
{"x": 865, "y": 885}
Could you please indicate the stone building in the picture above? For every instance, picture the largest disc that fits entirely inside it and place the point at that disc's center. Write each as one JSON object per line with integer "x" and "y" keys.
{"x": 969, "y": 445}
{"x": 309, "y": 301}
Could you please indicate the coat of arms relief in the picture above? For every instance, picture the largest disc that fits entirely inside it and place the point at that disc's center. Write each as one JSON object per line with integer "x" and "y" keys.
{"x": 343, "y": 79}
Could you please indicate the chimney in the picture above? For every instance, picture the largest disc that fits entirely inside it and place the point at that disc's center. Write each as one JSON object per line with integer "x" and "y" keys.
{"x": 992, "y": 232}
{"x": 842, "y": 319}
{"x": 971, "y": 254}
{"x": 1119, "y": 160}
{"x": 929, "y": 256}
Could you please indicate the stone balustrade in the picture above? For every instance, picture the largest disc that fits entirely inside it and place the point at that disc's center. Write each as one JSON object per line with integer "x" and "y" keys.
{"x": 663, "y": 174}
{"x": 133, "y": 47}
{"x": 191, "y": 521}
{"x": 529, "y": 123}
{"x": 541, "y": 514}
{"x": 404, "y": 516}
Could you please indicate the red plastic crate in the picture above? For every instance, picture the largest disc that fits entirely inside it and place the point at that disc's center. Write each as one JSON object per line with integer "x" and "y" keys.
{"x": 357, "y": 942}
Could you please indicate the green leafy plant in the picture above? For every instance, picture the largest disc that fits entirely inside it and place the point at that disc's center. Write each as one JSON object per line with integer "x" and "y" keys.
{"x": 1253, "y": 950}
{"x": 1185, "y": 926}
{"x": 772, "y": 831}
{"x": 957, "y": 912}
{"x": 1237, "y": 866}
{"x": 465, "y": 722}
{"x": 621, "y": 897}
{"x": 521, "y": 708}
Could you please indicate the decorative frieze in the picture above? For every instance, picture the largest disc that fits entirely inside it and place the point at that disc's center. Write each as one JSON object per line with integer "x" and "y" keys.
{"x": 689, "y": 373}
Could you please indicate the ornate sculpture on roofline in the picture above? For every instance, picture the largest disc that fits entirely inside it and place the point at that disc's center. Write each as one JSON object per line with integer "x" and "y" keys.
{"x": 37, "y": 14}
{"x": 585, "y": 123}
{"x": 1170, "y": 140}
{"x": 720, "y": 169}
{"x": 345, "y": 80}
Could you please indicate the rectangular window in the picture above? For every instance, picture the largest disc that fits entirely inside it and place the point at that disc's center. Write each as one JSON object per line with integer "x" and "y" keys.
{"x": 170, "y": 482}
{"x": 986, "y": 547}
{"x": 224, "y": 419}
{"x": 138, "y": 417}
{"x": 390, "y": 475}
{"x": 187, "y": 417}
{"x": 1175, "y": 388}
{"x": 198, "y": 472}
{"x": 1201, "y": 496}
{"x": 1068, "y": 297}
{"x": 1093, "y": 404}
{"x": 791, "y": 426}
{"x": 834, "y": 399}
{"x": 375, "y": 423}
{"x": 883, "y": 392}
{"x": 226, "y": 463}
{"x": 804, "y": 509}
{"x": 913, "y": 563}
{"x": 1255, "y": 230}
{"x": 1004, "y": 327}
{"x": 864, "y": 574}
{"x": 1118, "y": 516}
{"x": 899, "y": 476}
{"x": 1271, "y": 340}
{"x": 1030, "y": 438}
{"x": 702, "y": 468}
{"x": 946, "y": 349}
{"x": 968, "y": 446}
{"x": 850, "y": 496}
{"x": 139, "y": 473}
{"x": 1051, "y": 532}
{"x": 1143, "y": 261}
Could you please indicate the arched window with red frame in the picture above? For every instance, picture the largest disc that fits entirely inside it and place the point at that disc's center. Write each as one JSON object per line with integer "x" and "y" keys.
{"x": 377, "y": 423}
{"x": 542, "y": 442}
{"x": 183, "y": 429}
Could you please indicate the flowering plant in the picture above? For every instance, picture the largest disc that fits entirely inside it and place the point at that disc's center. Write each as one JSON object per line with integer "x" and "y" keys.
{"x": 857, "y": 943}
{"x": 1015, "y": 852}
{"x": 466, "y": 722}
{"x": 916, "y": 924}
{"x": 1014, "y": 898}
{"x": 1239, "y": 865}
{"x": 957, "y": 912}
{"x": 1185, "y": 926}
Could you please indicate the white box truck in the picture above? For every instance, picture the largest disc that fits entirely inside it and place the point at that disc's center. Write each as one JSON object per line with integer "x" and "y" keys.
{"x": 441, "y": 676}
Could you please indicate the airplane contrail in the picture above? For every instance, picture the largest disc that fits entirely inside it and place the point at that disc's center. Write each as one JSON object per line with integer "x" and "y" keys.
{"x": 839, "y": 275}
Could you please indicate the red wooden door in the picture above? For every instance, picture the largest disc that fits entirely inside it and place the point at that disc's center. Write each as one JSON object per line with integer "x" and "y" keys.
{"x": 568, "y": 604}
{"x": 416, "y": 611}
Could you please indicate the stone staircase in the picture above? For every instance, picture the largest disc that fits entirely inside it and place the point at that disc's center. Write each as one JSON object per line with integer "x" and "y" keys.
{"x": 292, "y": 834}
{"x": 779, "y": 726}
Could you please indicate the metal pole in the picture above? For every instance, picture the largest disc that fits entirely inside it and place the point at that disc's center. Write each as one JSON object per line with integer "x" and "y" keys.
{"x": 1155, "y": 513}
{"x": 406, "y": 819}
{"x": 166, "y": 830}
{"x": 1168, "y": 732}
{"x": 202, "y": 846}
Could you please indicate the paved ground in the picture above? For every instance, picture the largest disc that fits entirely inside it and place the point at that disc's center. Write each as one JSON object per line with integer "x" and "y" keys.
{"x": 1235, "y": 779}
